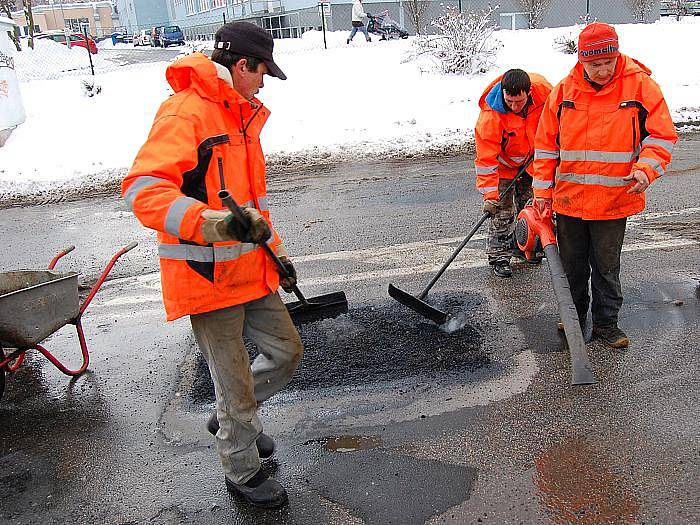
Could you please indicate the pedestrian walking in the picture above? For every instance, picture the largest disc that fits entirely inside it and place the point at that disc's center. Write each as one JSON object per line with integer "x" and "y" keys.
{"x": 505, "y": 134}
{"x": 206, "y": 137}
{"x": 604, "y": 136}
{"x": 358, "y": 24}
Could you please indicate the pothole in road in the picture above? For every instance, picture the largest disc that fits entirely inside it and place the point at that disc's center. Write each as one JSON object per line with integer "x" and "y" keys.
{"x": 347, "y": 443}
{"x": 377, "y": 343}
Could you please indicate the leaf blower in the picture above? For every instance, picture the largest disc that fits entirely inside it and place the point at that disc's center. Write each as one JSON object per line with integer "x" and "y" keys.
{"x": 534, "y": 233}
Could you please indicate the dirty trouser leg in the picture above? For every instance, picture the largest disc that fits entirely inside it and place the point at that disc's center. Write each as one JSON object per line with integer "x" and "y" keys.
{"x": 219, "y": 335}
{"x": 574, "y": 240}
{"x": 523, "y": 192}
{"x": 268, "y": 325}
{"x": 606, "y": 246}
{"x": 499, "y": 242}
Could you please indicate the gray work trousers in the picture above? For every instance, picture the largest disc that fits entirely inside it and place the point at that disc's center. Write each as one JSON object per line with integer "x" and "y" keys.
{"x": 591, "y": 250}
{"x": 500, "y": 241}
{"x": 240, "y": 386}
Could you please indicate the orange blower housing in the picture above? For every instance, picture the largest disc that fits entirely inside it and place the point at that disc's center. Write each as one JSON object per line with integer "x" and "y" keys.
{"x": 534, "y": 230}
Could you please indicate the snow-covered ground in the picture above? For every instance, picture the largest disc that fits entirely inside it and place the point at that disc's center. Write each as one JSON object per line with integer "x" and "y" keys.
{"x": 343, "y": 103}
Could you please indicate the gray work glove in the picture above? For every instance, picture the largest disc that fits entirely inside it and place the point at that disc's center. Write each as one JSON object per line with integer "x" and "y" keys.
{"x": 491, "y": 206}
{"x": 221, "y": 226}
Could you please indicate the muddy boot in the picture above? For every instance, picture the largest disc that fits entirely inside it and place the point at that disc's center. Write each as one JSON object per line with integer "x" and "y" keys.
{"x": 264, "y": 443}
{"x": 502, "y": 269}
{"x": 611, "y": 336}
{"x": 260, "y": 491}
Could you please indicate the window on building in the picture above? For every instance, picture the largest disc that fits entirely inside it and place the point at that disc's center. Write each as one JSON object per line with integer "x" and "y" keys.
{"x": 218, "y": 3}
{"x": 190, "y": 7}
{"x": 204, "y": 5}
{"x": 514, "y": 21}
{"x": 77, "y": 24}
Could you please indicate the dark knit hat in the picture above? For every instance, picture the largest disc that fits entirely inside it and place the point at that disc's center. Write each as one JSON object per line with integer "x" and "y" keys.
{"x": 244, "y": 38}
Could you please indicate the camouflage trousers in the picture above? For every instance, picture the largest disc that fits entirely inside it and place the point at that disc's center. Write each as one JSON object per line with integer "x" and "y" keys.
{"x": 500, "y": 242}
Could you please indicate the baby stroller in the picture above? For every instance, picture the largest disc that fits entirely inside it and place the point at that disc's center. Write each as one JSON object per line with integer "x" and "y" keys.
{"x": 383, "y": 25}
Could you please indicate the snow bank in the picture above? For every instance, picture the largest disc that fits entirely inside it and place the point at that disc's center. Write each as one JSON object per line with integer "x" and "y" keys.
{"x": 348, "y": 102}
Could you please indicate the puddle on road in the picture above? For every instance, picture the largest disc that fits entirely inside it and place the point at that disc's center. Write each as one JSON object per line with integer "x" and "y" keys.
{"x": 347, "y": 443}
{"x": 385, "y": 342}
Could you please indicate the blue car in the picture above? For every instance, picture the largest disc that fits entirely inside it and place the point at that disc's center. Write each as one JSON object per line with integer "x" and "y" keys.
{"x": 171, "y": 35}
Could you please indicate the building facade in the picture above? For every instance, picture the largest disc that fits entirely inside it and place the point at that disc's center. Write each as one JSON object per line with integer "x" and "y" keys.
{"x": 99, "y": 17}
{"x": 135, "y": 15}
{"x": 199, "y": 19}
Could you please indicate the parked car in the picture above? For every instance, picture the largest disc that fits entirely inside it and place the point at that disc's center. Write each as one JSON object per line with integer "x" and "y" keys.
{"x": 171, "y": 35}
{"x": 142, "y": 38}
{"x": 76, "y": 39}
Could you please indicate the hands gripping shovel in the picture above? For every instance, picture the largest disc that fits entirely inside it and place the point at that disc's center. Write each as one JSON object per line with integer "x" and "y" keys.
{"x": 305, "y": 310}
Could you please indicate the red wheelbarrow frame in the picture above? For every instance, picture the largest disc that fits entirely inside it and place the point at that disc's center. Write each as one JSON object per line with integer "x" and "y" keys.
{"x": 18, "y": 355}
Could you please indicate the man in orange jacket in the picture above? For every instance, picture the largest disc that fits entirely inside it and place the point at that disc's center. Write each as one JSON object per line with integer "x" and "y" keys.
{"x": 206, "y": 137}
{"x": 604, "y": 136}
{"x": 505, "y": 134}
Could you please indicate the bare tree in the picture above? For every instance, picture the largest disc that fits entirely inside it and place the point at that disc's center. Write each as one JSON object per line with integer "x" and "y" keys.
{"x": 536, "y": 9}
{"x": 415, "y": 10}
{"x": 27, "y": 5}
{"x": 678, "y": 7}
{"x": 6, "y": 7}
{"x": 641, "y": 9}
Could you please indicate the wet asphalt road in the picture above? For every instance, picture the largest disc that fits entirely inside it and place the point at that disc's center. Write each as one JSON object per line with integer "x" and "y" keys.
{"x": 390, "y": 419}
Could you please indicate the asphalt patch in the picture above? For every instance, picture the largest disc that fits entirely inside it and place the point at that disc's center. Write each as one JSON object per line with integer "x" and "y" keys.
{"x": 383, "y": 488}
{"x": 376, "y": 343}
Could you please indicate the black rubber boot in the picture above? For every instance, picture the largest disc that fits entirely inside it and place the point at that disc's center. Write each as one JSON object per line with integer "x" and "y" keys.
{"x": 502, "y": 270}
{"x": 611, "y": 336}
{"x": 264, "y": 443}
{"x": 260, "y": 491}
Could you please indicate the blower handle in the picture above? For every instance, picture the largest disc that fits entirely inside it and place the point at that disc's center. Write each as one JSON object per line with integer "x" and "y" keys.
{"x": 476, "y": 227}
{"x": 228, "y": 201}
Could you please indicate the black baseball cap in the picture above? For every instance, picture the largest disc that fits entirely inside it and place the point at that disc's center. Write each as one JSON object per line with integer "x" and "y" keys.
{"x": 244, "y": 38}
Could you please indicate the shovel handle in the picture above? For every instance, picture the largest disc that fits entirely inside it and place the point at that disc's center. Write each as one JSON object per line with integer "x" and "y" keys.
{"x": 476, "y": 227}
{"x": 239, "y": 216}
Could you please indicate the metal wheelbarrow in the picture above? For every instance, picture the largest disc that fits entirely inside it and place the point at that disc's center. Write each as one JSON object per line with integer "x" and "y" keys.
{"x": 36, "y": 303}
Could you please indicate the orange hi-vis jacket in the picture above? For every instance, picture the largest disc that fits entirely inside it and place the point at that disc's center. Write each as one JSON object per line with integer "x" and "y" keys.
{"x": 505, "y": 140}
{"x": 588, "y": 140}
{"x": 204, "y": 138}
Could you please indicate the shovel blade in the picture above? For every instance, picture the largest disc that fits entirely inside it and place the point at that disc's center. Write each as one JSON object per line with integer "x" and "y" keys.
{"x": 318, "y": 308}
{"x": 418, "y": 306}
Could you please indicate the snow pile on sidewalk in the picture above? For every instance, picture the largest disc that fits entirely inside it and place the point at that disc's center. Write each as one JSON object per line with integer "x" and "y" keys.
{"x": 354, "y": 102}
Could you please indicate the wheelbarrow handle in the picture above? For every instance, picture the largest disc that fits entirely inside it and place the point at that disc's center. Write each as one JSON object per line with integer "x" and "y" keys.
{"x": 60, "y": 254}
{"x": 105, "y": 272}
{"x": 239, "y": 216}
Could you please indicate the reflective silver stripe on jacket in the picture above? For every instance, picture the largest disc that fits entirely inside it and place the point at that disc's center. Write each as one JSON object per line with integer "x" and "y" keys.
{"x": 186, "y": 252}
{"x": 546, "y": 154}
{"x": 189, "y": 252}
{"x": 505, "y": 162}
{"x": 655, "y": 164}
{"x": 139, "y": 183}
{"x": 486, "y": 170}
{"x": 593, "y": 179}
{"x": 519, "y": 160}
{"x": 487, "y": 189}
{"x": 232, "y": 252}
{"x": 665, "y": 144}
{"x": 176, "y": 214}
{"x": 613, "y": 157}
{"x": 542, "y": 184}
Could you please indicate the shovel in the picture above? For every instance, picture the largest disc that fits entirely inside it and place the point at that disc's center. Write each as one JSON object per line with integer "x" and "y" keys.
{"x": 304, "y": 310}
{"x": 418, "y": 304}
